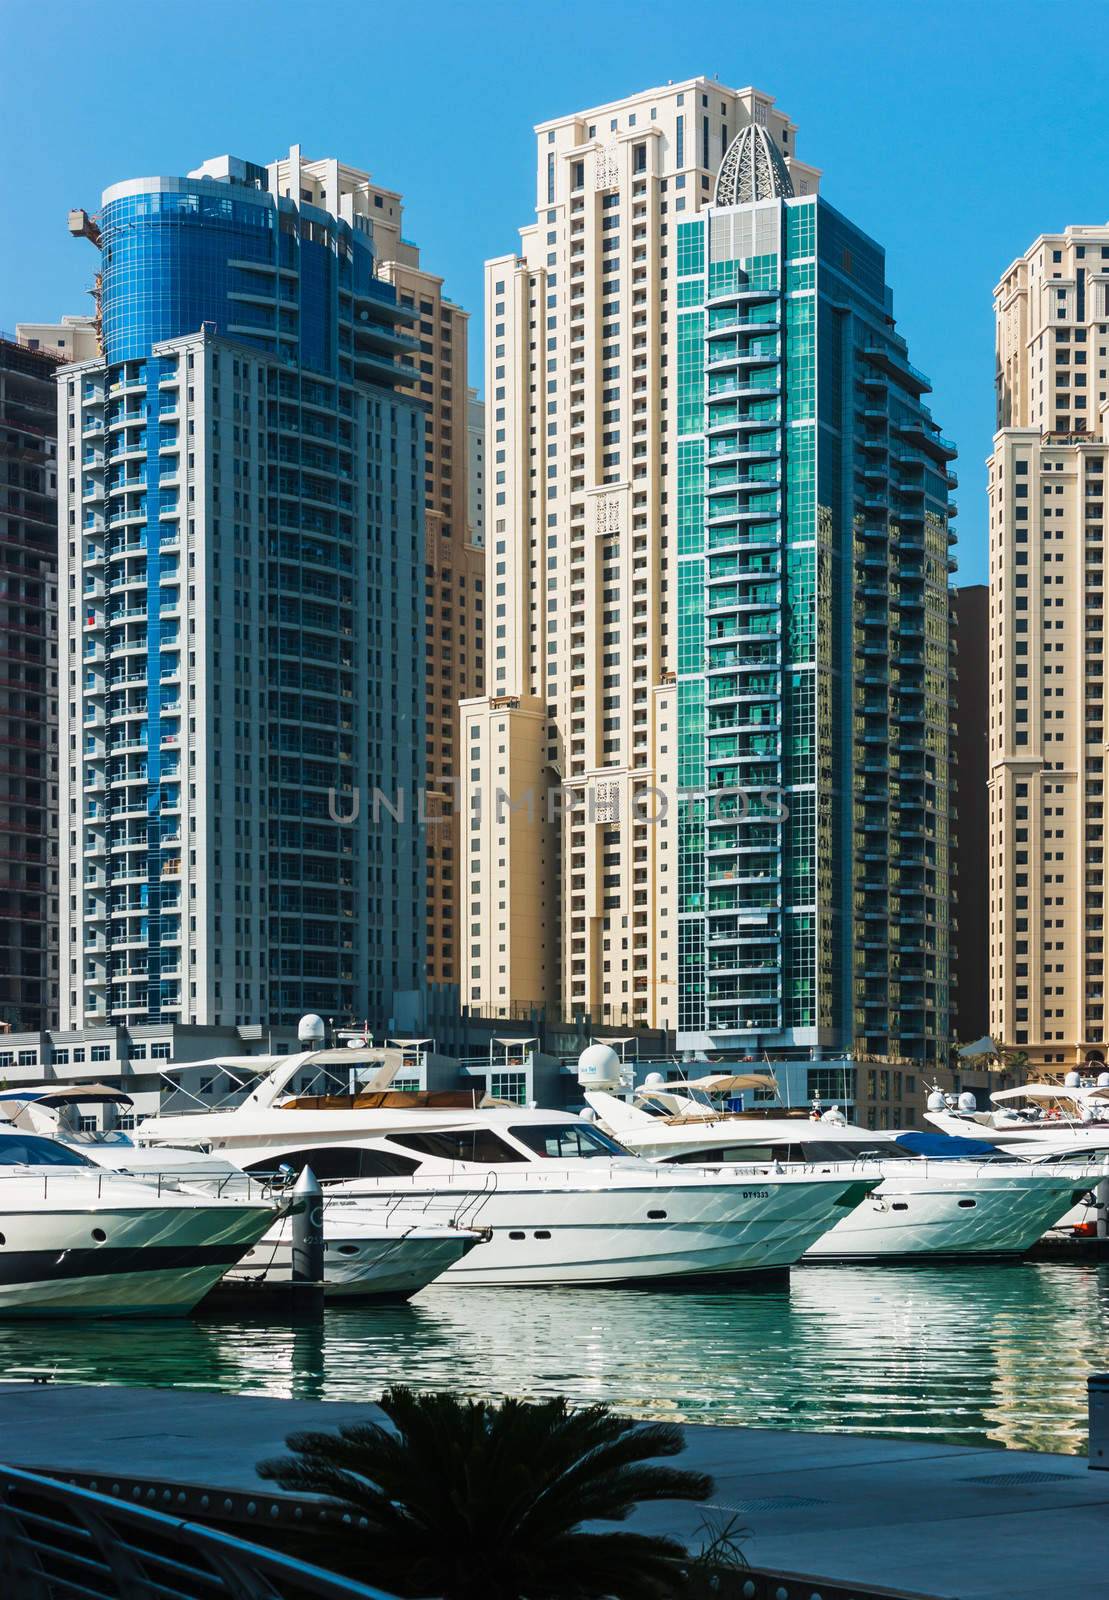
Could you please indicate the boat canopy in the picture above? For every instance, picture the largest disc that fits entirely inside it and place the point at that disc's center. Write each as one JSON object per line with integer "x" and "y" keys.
{"x": 67, "y": 1094}
{"x": 713, "y": 1083}
{"x": 1050, "y": 1092}
{"x": 944, "y": 1146}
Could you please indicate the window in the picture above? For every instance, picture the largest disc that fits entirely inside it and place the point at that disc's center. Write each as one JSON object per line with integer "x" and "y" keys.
{"x": 831, "y": 1083}
{"x": 735, "y": 1154}
{"x": 469, "y": 1144}
{"x": 160, "y": 1050}
{"x": 332, "y": 1163}
{"x": 562, "y": 1141}
{"x": 100, "y": 1052}
{"x": 28, "y": 1150}
{"x": 509, "y": 1086}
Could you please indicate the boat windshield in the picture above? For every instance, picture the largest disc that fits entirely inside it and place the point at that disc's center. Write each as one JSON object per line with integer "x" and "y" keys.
{"x": 30, "y": 1150}
{"x": 115, "y": 1137}
{"x": 558, "y": 1141}
{"x": 677, "y": 1100}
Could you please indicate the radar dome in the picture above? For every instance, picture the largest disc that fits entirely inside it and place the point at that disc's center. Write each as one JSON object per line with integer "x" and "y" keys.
{"x": 654, "y": 1080}
{"x": 310, "y": 1029}
{"x": 587, "y": 1114}
{"x": 967, "y": 1102}
{"x": 1103, "y": 1080}
{"x": 936, "y": 1101}
{"x": 599, "y": 1067}
{"x": 1073, "y": 1080}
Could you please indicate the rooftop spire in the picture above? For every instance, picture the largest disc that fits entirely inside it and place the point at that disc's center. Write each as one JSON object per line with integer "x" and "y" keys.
{"x": 753, "y": 169}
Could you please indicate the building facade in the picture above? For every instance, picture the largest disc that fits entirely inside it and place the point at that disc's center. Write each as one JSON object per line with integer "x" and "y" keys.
{"x": 710, "y": 785}
{"x": 454, "y": 566}
{"x": 71, "y": 339}
{"x": 814, "y": 638}
{"x": 1047, "y": 652}
{"x": 475, "y": 479}
{"x": 971, "y": 949}
{"x": 242, "y": 558}
{"x": 28, "y": 686}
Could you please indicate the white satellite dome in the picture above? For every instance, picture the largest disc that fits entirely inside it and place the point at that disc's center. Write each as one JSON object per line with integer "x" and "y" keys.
{"x": 967, "y": 1102}
{"x": 936, "y": 1100}
{"x": 654, "y": 1080}
{"x": 311, "y": 1030}
{"x": 1073, "y": 1080}
{"x": 1103, "y": 1080}
{"x": 599, "y": 1067}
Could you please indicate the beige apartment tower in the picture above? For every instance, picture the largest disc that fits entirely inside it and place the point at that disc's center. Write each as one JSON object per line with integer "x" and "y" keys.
{"x": 452, "y": 488}
{"x": 1047, "y": 653}
{"x": 570, "y": 760}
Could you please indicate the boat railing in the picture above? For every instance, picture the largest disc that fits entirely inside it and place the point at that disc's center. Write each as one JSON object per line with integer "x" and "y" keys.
{"x": 56, "y": 1538}
{"x": 231, "y": 1185}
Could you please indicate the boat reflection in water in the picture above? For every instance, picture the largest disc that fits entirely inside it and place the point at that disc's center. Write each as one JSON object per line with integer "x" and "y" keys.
{"x": 969, "y": 1354}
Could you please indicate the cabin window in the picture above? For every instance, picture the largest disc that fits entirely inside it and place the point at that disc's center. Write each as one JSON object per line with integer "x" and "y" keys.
{"x": 468, "y": 1144}
{"x": 558, "y": 1141}
{"x": 29, "y": 1150}
{"x": 332, "y": 1163}
{"x": 737, "y": 1154}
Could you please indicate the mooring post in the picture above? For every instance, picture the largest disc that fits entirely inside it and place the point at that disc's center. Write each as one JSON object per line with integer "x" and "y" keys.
{"x": 307, "y": 1219}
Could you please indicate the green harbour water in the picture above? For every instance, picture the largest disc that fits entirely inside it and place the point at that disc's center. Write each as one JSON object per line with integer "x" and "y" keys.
{"x": 965, "y": 1354}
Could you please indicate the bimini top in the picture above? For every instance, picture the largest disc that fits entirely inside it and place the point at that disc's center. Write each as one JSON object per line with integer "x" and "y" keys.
{"x": 753, "y": 169}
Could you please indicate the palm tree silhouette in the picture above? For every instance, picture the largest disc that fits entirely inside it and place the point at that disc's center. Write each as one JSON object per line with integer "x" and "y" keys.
{"x": 474, "y": 1500}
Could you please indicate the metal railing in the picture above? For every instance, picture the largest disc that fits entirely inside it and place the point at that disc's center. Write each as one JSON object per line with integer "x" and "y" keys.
{"x": 60, "y": 1542}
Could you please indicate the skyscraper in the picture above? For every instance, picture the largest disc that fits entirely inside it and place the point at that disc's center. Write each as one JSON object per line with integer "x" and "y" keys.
{"x": 1047, "y": 652}
{"x": 243, "y": 701}
{"x": 814, "y": 641}
{"x": 971, "y": 948}
{"x": 28, "y": 687}
{"x": 717, "y": 566}
{"x": 455, "y": 566}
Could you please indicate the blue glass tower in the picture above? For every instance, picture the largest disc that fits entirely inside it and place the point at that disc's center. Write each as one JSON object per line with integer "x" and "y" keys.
{"x": 247, "y": 540}
{"x": 814, "y": 675}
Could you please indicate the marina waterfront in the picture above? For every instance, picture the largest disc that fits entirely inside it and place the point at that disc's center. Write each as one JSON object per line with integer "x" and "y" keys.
{"x": 967, "y": 1354}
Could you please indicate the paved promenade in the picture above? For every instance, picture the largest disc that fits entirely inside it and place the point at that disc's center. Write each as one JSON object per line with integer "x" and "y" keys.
{"x": 959, "y": 1523}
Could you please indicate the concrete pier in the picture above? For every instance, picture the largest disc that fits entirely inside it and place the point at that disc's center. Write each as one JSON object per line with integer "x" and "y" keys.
{"x": 933, "y": 1520}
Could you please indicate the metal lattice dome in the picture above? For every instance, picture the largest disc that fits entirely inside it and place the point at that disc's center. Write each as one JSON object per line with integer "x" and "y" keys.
{"x": 753, "y": 169}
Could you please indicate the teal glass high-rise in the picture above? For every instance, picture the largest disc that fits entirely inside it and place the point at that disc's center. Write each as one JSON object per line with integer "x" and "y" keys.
{"x": 814, "y": 665}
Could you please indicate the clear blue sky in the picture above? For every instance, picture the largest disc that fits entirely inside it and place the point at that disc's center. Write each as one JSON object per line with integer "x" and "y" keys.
{"x": 953, "y": 132}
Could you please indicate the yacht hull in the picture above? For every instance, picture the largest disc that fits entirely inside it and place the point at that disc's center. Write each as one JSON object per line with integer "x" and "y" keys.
{"x": 628, "y": 1234}
{"x": 361, "y": 1263}
{"x": 975, "y": 1215}
{"x": 111, "y": 1260}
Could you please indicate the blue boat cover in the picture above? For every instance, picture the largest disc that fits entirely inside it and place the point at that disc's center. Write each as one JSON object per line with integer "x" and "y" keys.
{"x": 940, "y": 1145}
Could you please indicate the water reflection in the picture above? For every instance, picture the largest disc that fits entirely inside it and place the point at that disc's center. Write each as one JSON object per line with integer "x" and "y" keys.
{"x": 965, "y": 1354}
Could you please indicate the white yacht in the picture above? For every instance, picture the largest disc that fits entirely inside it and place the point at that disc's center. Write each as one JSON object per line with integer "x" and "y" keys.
{"x": 559, "y": 1201}
{"x": 369, "y": 1256}
{"x": 921, "y": 1206}
{"x": 76, "y": 1240}
{"x": 364, "y": 1258}
{"x": 1034, "y": 1120}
